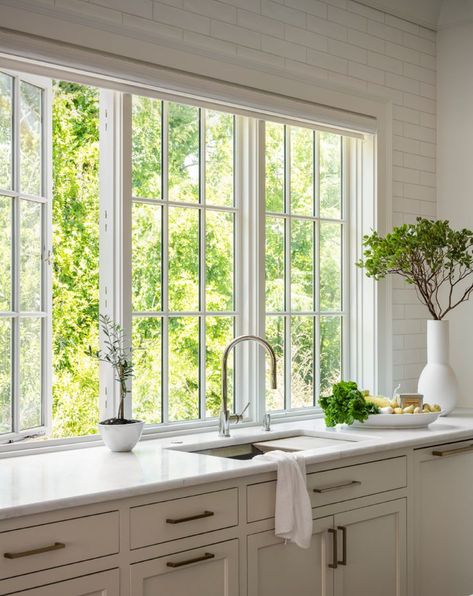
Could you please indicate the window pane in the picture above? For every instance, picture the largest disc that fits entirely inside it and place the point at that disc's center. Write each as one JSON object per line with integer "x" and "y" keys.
{"x": 183, "y": 153}
{"x": 5, "y": 253}
{"x": 183, "y": 259}
{"x": 274, "y": 262}
{"x": 6, "y": 115}
{"x": 5, "y": 376}
{"x": 146, "y": 383}
{"x": 183, "y": 368}
{"x": 330, "y": 156}
{"x": 301, "y": 174}
{"x": 302, "y": 358}
{"x": 219, "y": 158}
{"x": 275, "y": 167}
{"x": 30, "y": 256}
{"x": 275, "y": 336}
{"x": 30, "y": 138}
{"x": 219, "y": 333}
{"x": 146, "y": 257}
{"x": 302, "y": 265}
{"x": 146, "y": 147}
{"x": 330, "y": 266}
{"x": 219, "y": 257}
{"x": 330, "y": 353}
{"x": 30, "y": 373}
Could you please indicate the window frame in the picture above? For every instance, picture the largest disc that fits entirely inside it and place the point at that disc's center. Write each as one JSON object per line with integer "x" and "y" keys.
{"x": 119, "y": 274}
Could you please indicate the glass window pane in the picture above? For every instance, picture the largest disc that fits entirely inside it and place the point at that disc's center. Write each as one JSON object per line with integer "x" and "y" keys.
{"x": 219, "y": 333}
{"x": 330, "y": 266}
{"x": 146, "y": 257}
{"x": 302, "y": 167}
{"x": 275, "y": 336}
{"x": 146, "y": 382}
{"x": 302, "y": 265}
{"x": 146, "y": 147}
{"x": 302, "y": 359}
{"x": 219, "y": 257}
{"x": 274, "y": 263}
{"x": 6, "y": 127}
{"x": 219, "y": 158}
{"x": 274, "y": 167}
{"x": 30, "y": 256}
{"x": 330, "y": 159}
{"x": 183, "y": 153}
{"x": 5, "y": 376}
{"x": 30, "y": 373}
{"x": 183, "y": 368}
{"x": 30, "y": 138}
{"x": 183, "y": 267}
{"x": 330, "y": 353}
{"x": 5, "y": 253}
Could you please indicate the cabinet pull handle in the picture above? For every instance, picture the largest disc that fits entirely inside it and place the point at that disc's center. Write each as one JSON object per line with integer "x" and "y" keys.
{"x": 448, "y": 452}
{"x": 334, "y": 563}
{"x": 204, "y": 557}
{"x": 344, "y": 545}
{"x": 181, "y": 520}
{"x": 339, "y": 486}
{"x": 35, "y": 551}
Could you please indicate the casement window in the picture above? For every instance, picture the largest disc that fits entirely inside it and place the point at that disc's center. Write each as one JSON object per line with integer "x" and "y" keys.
{"x": 214, "y": 222}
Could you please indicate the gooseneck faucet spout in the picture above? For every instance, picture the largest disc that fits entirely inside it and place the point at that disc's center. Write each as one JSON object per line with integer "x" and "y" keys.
{"x": 225, "y": 416}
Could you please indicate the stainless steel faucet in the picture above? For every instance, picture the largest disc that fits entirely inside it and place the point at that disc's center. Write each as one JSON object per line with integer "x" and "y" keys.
{"x": 225, "y": 416}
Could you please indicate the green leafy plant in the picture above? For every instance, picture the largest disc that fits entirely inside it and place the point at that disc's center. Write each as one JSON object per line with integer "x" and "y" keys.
{"x": 346, "y": 404}
{"x": 430, "y": 255}
{"x": 118, "y": 355}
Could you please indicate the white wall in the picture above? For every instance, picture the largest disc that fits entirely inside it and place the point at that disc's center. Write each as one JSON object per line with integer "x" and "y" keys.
{"x": 455, "y": 158}
{"x": 339, "y": 42}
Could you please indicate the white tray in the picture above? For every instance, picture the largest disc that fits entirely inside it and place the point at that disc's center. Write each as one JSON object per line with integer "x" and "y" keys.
{"x": 398, "y": 420}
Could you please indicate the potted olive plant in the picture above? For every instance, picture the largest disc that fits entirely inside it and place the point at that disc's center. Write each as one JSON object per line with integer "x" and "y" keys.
{"x": 438, "y": 262}
{"x": 118, "y": 433}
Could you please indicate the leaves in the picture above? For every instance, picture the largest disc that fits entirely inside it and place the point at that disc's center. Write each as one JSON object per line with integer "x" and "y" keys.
{"x": 430, "y": 255}
{"x": 346, "y": 404}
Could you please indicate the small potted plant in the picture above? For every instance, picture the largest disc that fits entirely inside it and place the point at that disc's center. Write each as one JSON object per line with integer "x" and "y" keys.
{"x": 438, "y": 262}
{"x": 118, "y": 433}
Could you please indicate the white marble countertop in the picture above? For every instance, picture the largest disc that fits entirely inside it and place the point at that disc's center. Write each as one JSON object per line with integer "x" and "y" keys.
{"x": 48, "y": 481}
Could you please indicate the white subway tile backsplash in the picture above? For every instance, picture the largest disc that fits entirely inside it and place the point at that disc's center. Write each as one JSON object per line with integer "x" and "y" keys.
{"x": 349, "y": 19}
{"x": 385, "y": 62}
{"x": 306, "y": 38}
{"x": 235, "y": 34}
{"x": 312, "y": 7}
{"x": 364, "y": 40}
{"x": 347, "y": 51}
{"x": 328, "y": 28}
{"x": 327, "y": 61}
{"x": 212, "y": 9}
{"x": 286, "y": 14}
{"x": 260, "y": 23}
{"x": 180, "y": 18}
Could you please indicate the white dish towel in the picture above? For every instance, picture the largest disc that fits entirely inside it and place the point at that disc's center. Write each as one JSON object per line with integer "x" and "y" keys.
{"x": 293, "y": 508}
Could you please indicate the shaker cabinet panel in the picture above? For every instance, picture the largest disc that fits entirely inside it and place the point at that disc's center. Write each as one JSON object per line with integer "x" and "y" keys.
{"x": 96, "y": 584}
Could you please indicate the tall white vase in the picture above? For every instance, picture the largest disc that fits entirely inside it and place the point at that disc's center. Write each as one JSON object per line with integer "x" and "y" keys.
{"x": 437, "y": 382}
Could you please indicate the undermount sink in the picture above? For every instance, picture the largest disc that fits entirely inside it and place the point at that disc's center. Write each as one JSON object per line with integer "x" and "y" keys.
{"x": 291, "y": 442}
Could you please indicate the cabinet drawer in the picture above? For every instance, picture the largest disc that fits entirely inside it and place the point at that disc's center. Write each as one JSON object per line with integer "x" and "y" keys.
{"x": 59, "y": 543}
{"x": 333, "y": 486}
{"x": 179, "y": 518}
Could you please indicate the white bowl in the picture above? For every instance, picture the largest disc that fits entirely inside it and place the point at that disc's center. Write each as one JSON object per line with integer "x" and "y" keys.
{"x": 398, "y": 420}
{"x": 121, "y": 437}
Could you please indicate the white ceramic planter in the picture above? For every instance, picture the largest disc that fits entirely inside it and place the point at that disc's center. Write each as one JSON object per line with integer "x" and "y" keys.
{"x": 437, "y": 382}
{"x": 121, "y": 437}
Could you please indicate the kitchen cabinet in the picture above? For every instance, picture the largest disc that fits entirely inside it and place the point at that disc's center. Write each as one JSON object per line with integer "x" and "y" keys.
{"x": 208, "y": 571}
{"x": 444, "y": 520}
{"x": 96, "y": 584}
{"x": 362, "y": 551}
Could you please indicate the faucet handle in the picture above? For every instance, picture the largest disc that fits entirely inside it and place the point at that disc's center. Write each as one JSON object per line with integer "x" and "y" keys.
{"x": 267, "y": 422}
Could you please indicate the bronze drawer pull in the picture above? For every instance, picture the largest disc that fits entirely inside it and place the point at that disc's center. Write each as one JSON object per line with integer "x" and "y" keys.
{"x": 204, "y": 557}
{"x": 181, "y": 520}
{"x": 328, "y": 489}
{"x": 334, "y": 563}
{"x": 447, "y": 452}
{"x": 344, "y": 545}
{"x": 35, "y": 551}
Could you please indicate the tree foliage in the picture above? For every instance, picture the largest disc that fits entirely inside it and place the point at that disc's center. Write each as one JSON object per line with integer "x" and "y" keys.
{"x": 429, "y": 255}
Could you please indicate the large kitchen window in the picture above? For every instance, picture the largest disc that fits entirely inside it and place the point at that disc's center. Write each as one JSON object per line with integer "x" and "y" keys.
{"x": 189, "y": 223}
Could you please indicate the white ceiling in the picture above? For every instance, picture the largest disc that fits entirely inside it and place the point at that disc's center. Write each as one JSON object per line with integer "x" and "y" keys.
{"x": 422, "y": 12}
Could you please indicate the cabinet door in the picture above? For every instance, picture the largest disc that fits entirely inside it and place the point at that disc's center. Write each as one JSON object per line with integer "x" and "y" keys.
{"x": 279, "y": 569}
{"x": 208, "y": 571}
{"x": 96, "y": 584}
{"x": 444, "y": 521}
{"x": 372, "y": 551}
